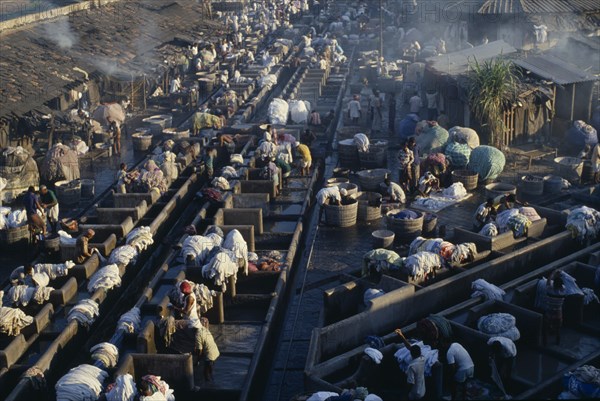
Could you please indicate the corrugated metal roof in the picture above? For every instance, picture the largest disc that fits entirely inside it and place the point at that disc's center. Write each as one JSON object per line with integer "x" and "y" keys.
{"x": 538, "y": 6}
{"x": 554, "y": 69}
{"x": 457, "y": 63}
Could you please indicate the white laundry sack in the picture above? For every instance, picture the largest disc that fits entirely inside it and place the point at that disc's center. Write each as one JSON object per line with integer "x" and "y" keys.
{"x": 278, "y": 111}
{"x": 298, "y": 111}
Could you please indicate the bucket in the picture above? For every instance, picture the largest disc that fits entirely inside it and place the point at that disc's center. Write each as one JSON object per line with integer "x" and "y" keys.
{"x": 369, "y": 180}
{"x": 174, "y": 134}
{"x": 87, "y": 188}
{"x": 52, "y": 243}
{"x": 373, "y": 158}
{"x": 382, "y": 238}
{"x": 335, "y": 181}
{"x": 587, "y": 172}
{"x": 68, "y": 192}
{"x": 351, "y": 189}
{"x": 429, "y": 223}
{"x": 500, "y": 188}
{"x": 406, "y": 230}
{"x": 532, "y": 184}
{"x": 142, "y": 140}
{"x": 468, "y": 178}
{"x": 552, "y": 184}
{"x": 14, "y": 236}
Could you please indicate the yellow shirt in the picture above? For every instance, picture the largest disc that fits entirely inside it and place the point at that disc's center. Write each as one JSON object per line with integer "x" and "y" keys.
{"x": 304, "y": 152}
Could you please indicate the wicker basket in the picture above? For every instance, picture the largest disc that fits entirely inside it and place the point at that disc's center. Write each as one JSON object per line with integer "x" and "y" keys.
{"x": 339, "y": 172}
{"x": 405, "y": 230}
{"x": 382, "y": 238}
{"x": 348, "y": 154}
{"x": 468, "y": 178}
{"x": 369, "y": 180}
{"x": 141, "y": 141}
{"x": 342, "y": 215}
{"x": 52, "y": 243}
{"x": 88, "y": 187}
{"x": 373, "y": 158}
{"x": 569, "y": 167}
{"x": 174, "y": 134}
{"x": 349, "y": 132}
{"x": 351, "y": 189}
{"x": 531, "y": 186}
{"x": 68, "y": 192}
{"x": 493, "y": 190}
{"x": 552, "y": 184}
{"x": 366, "y": 212}
{"x": 335, "y": 181}
{"x": 13, "y": 236}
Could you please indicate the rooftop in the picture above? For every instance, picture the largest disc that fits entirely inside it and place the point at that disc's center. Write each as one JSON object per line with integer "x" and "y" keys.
{"x": 538, "y": 6}
{"x": 554, "y": 69}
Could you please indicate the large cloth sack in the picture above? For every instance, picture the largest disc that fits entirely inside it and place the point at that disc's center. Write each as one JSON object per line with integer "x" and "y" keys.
{"x": 278, "y": 111}
{"x": 581, "y": 134}
{"x": 433, "y": 139}
{"x": 464, "y": 135}
{"x": 298, "y": 111}
{"x": 487, "y": 161}
{"x": 407, "y": 126}
{"x": 458, "y": 154}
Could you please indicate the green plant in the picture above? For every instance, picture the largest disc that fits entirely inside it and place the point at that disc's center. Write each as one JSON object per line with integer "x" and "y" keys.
{"x": 492, "y": 88}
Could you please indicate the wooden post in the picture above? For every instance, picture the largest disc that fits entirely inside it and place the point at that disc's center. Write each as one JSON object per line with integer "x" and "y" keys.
{"x": 572, "y": 101}
{"x": 132, "y": 92}
{"x": 144, "y": 90}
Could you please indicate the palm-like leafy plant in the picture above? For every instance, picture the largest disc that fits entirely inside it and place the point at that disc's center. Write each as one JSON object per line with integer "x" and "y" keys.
{"x": 492, "y": 87}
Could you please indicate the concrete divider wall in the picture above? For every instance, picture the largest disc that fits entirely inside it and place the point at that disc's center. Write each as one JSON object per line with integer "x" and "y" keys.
{"x": 251, "y": 201}
{"x": 177, "y": 370}
{"x": 391, "y": 311}
{"x": 107, "y": 215}
{"x": 259, "y": 186}
{"x": 250, "y": 217}
{"x": 129, "y": 200}
{"x": 246, "y": 231}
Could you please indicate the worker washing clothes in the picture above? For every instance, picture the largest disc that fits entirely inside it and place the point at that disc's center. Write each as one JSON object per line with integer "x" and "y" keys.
{"x": 427, "y": 183}
{"x": 32, "y": 205}
{"x": 508, "y": 201}
{"x": 83, "y": 251}
{"x": 208, "y": 348}
{"x": 415, "y": 374}
{"x": 502, "y": 353}
{"x": 416, "y": 165}
{"x": 122, "y": 179}
{"x": 461, "y": 366}
{"x": 114, "y": 131}
{"x": 406, "y": 159}
{"x": 209, "y": 162}
{"x": 49, "y": 203}
{"x": 485, "y": 213}
{"x": 304, "y": 159}
{"x": 329, "y": 195}
{"x": 554, "y": 299}
{"x": 395, "y": 192}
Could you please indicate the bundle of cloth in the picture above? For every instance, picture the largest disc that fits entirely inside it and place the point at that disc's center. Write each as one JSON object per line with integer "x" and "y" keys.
{"x": 362, "y": 142}
{"x": 106, "y": 353}
{"x": 204, "y": 296}
{"x": 12, "y": 218}
{"x": 268, "y": 80}
{"x": 197, "y": 248}
{"x": 220, "y": 183}
{"x": 278, "y": 111}
{"x": 236, "y": 158}
{"x": 381, "y": 260}
{"x": 488, "y": 291}
{"x": 449, "y": 252}
{"x": 433, "y": 138}
{"x": 223, "y": 265}
{"x": 22, "y": 295}
{"x": 530, "y": 213}
{"x": 61, "y": 162}
{"x": 431, "y": 357}
{"x": 405, "y": 214}
{"x": 159, "y": 388}
{"x": 105, "y": 278}
{"x": 166, "y": 162}
{"x": 299, "y": 111}
{"x": 12, "y": 320}
{"x": 140, "y": 238}
{"x": 371, "y": 294}
{"x": 570, "y": 288}
{"x": 489, "y": 230}
{"x": 583, "y": 223}
{"x": 53, "y": 270}
{"x": 455, "y": 191}
{"x": 581, "y": 383}
{"x": 130, "y": 321}
{"x": 228, "y": 173}
{"x": 514, "y": 221}
{"x": 422, "y": 264}
{"x": 152, "y": 177}
{"x": 487, "y": 161}
{"x": 235, "y": 243}
{"x": 268, "y": 263}
{"x": 457, "y": 154}
{"x": 464, "y": 135}
{"x": 123, "y": 255}
{"x": 499, "y": 325}
{"x": 83, "y": 382}
{"x": 360, "y": 393}
{"x": 123, "y": 389}
{"x": 84, "y": 313}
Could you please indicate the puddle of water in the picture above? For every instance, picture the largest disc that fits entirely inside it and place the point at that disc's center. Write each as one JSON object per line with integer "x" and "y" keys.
{"x": 297, "y": 183}
{"x": 285, "y": 210}
{"x": 288, "y": 195}
{"x": 280, "y": 226}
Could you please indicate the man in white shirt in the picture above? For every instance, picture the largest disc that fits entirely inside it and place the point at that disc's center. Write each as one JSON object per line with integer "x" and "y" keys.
{"x": 175, "y": 85}
{"x": 395, "y": 191}
{"x": 331, "y": 195}
{"x": 415, "y": 103}
{"x": 462, "y": 365}
{"x": 503, "y": 352}
{"x": 432, "y": 107}
{"x": 354, "y": 111}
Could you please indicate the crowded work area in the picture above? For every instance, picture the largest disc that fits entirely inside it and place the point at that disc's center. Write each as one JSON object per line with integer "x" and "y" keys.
{"x": 247, "y": 200}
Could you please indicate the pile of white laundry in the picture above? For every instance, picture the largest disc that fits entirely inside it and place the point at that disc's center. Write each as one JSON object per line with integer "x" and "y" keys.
{"x": 106, "y": 353}
{"x": 106, "y": 278}
{"x": 85, "y": 312}
{"x": 140, "y": 238}
{"x": 83, "y": 382}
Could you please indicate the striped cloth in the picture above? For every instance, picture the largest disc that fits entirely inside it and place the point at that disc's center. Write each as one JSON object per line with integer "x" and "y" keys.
{"x": 458, "y": 154}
